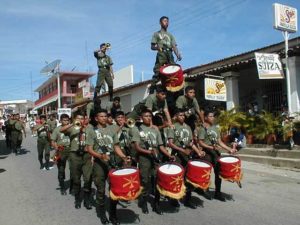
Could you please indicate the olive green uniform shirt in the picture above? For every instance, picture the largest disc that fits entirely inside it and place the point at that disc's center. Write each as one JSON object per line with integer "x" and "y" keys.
{"x": 151, "y": 102}
{"x": 19, "y": 126}
{"x": 211, "y": 136}
{"x": 103, "y": 61}
{"x": 52, "y": 124}
{"x": 60, "y": 138}
{"x": 41, "y": 131}
{"x": 73, "y": 133}
{"x": 147, "y": 137}
{"x": 185, "y": 103}
{"x": 163, "y": 39}
{"x": 102, "y": 139}
{"x": 181, "y": 135}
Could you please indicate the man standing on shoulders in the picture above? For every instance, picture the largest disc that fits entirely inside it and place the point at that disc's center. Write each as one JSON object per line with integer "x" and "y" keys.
{"x": 164, "y": 43}
{"x": 105, "y": 72}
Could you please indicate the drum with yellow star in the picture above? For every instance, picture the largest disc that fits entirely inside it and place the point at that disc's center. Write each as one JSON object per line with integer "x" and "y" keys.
{"x": 170, "y": 180}
{"x": 198, "y": 173}
{"x": 172, "y": 77}
{"x": 230, "y": 169}
{"x": 125, "y": 184}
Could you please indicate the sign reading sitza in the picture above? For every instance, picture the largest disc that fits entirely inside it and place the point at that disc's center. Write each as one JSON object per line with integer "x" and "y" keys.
{"x": 268, "y": 66}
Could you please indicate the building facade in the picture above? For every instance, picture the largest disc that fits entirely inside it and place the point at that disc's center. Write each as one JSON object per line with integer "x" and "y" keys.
{"x": 70, "y": 90}
{"x": 15, "y": 106}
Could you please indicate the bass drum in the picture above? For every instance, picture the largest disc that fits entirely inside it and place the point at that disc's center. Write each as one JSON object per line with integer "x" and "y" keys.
{"x": 124, "y": 184}
{"x": 230, "y": 169}
{"x": 198, "y": 173}
{"x": 170, "y": 180}
{"x": 172, "y": 77}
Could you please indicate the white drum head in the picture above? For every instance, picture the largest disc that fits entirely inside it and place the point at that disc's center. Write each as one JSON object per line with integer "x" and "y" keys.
{"x": 200, "y": 164}
{"x": 171, "y": 69}
{"x": 170, "y": 169}
{"x": 124, "y": 171}
{"x": 229, "y": 159}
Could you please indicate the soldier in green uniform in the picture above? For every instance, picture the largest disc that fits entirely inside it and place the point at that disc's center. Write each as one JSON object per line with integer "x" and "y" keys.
{"x": 189, "y": 104}
{"x": 91, "y": 108}
{"x": 80, "y": 161}
{"x": 17, "y": 127}
{"x": 123, "y": 134}
{"x": 180, "y": 139}
{"x": 43, "y": 142}
{"x": 105, "y": 72}
{"x": 147, "y": 142}
{"x": 114, "y": 107}
{"x": 52, "y": 122}
{"x": 103, "y": 145}
{"x": 8, "y": 128}
{"x": 209, "y": 139}
{"x": 156, "y": 103}
{"x": 164, "y": 43}
{"x": 61, "y": 143}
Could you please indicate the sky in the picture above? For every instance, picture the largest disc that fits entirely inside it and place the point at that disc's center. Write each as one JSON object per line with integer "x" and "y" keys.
{"x": 33, "y": 32}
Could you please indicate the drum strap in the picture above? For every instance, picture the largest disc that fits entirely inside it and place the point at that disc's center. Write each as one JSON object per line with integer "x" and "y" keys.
{"x": 212, "y": 139}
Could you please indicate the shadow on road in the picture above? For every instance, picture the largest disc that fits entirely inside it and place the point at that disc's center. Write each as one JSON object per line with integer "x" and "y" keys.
{"x": 2, "y": 170}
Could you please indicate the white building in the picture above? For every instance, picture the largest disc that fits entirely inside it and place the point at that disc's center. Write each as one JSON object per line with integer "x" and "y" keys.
{"x": 15, "y": 106}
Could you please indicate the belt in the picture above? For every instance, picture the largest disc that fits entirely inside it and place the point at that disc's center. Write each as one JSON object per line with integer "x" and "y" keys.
{"x": 103, "y": 67}
{"x": 167, "y": 49}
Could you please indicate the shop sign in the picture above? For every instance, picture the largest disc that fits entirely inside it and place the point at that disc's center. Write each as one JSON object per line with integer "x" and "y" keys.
{"x": 215, "y": 89}
{"x": 268, "y": 66}
{"x": 285, "y": 18}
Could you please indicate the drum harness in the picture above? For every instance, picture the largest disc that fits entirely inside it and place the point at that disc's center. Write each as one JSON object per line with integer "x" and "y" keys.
{"x": 146, "y": 141}
{"x": 104, "y": 149}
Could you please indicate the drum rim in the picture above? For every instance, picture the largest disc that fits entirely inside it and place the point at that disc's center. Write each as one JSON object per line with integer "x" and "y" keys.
{"x": 162, "y": 67}
{"x": 114, "y": 170}
{"x": 229, "y": 156}
{"x": 199, "y": 160}
{"x": 173, "y": 163}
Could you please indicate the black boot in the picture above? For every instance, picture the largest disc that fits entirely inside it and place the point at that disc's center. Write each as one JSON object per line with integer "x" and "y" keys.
{"x": 77, "y": 201}
{"x": 143, "y": 205}
{"x": 187, "y": 201}
{"x": 219, "y": 196}
{"x": 47, "y": 165}
{"x": 41, "y": 164}
{"x": 113, "y": 213}
{"x": 156, "y": 207}
{"x": 87, "y": 200}
{"x": 62, "y": 187}
{"x": 102, "y": 215}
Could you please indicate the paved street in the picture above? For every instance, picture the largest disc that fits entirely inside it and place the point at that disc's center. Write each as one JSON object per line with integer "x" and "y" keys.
{"x": 30, "y": 196}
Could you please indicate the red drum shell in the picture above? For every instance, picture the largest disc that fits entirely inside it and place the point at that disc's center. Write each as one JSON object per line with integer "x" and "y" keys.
{"x": 198, "y": 173}
{"x": 230, "y": 168}
{"x": 170, "y": 180}
{"x": 172, "y": 77}
{"x": 125, "y": 183}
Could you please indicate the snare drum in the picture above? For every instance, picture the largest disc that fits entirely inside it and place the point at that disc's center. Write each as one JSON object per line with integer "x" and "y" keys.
{"x": 230, "y": 168}
{"x": 198, "y": 173}
{"x": 172, "y": 77}
{"x": 170, "y": 180}
{"x": 124, "y": 183}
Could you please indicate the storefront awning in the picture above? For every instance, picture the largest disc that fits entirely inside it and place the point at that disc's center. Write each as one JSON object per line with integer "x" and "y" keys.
{"x": 54, "y": 98}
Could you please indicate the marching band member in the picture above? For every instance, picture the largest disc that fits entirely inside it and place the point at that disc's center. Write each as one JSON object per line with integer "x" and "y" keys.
{"x": 43, "y": 142}
{"x": 16, "y": 133}
{"x": 180, "y": 139}
{"x": 209, "y": 139}
{"x": 189, "y": 103}
{"x": 105, "y": 72}
{"x": 154, "y": 102}
{"x": 147, "y": 141}
{"x": 61, "y": 144}
{"x": 164, "y": 43}
{"x": 114, "y": 107}
{"x": 103, "y": 145}
{"x": 80, "y": 161}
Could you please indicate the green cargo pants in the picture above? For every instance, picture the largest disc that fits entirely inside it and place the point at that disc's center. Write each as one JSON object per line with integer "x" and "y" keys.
{"x": 61, "y": 164}
{"x": 81, "y": 165}
{"x": 162, "y": 58}
{"x": 147, "y": 170}
{"x": 16, "y": 140}
{"x": 103, "y": 75}
{"x": 43, "y": 147}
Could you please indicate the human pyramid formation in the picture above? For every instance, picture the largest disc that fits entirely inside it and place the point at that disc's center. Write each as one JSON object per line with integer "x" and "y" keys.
{"x": 150, "y": 150}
